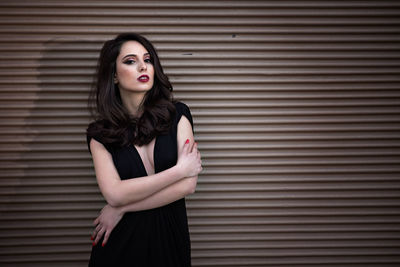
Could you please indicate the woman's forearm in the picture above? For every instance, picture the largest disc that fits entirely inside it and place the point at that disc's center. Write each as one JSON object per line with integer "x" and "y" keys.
{"x": 133, "y": 190}
{"x": 165, "y": 196}
{"x": 110, "y": 216}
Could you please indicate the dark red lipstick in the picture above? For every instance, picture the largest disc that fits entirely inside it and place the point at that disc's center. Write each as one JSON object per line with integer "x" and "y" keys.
{"x": 144, "y": 78}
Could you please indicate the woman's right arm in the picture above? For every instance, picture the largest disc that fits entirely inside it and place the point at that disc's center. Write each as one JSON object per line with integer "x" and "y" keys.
{"x": 119, "y": 192}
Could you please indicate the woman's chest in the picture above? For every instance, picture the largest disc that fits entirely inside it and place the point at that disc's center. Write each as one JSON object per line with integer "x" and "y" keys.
{"x": 146, "y": 154}
{"x": 132, "y": 162}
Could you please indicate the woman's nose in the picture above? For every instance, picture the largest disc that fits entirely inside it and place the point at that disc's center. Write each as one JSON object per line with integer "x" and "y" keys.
{"x": 142, "y": 66}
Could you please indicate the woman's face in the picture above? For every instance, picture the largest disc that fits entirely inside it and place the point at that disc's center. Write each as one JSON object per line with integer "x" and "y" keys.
{"x": 134, "y": 70}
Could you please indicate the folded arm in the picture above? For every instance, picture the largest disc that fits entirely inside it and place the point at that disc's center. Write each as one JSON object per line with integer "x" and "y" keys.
{"x": 119, "y": 192}
{"x": 176, "y": 190}
{"x": 110, "y": 216}
{"x": 164, "y": 197}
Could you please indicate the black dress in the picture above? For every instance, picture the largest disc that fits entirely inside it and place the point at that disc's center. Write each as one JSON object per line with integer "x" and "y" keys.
{"x": 157, "y": 237}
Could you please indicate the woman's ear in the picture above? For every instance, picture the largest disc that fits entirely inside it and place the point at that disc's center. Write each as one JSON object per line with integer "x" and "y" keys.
{"x": 115, "y": 79}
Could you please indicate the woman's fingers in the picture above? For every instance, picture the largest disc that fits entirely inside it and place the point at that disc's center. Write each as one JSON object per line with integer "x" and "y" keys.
{"x": 199, "y": 159}
{"x": 194, "y": 149}
{"x": 186, "y": 147}
{"x": 99, "y": 235}
{"x": 98, "y": 228}
{"x": 107, "y": 234}
{"x": 95, "y": 223}
{"x": 96, "y": 233}
{"x": 190, "y": 160}
{"x": 106, "y": 222}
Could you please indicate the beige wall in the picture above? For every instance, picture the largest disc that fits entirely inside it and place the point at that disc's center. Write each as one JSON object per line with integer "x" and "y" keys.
{"x": 296, "y": 109}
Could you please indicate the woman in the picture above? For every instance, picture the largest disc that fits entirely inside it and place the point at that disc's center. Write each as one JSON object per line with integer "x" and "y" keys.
{"x": 145, "y": 159}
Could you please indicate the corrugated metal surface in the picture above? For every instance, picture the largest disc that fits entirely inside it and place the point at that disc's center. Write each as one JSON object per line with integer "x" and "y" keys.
{"x": 296, "y": 105}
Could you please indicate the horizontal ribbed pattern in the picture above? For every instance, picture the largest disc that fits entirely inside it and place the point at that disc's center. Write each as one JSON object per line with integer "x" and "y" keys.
{"x": 296, "y": 107}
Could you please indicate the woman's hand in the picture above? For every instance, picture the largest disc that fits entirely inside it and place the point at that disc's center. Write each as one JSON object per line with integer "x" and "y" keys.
{"x": 189, "y": 162}
{"x": 105, "y": 223}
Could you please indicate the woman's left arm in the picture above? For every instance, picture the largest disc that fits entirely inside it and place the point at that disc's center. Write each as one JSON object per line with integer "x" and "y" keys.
{"x": 110, "y": 216}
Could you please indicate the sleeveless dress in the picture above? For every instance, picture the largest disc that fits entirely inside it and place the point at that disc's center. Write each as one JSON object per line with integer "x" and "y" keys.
{"x": 156, "y": 237}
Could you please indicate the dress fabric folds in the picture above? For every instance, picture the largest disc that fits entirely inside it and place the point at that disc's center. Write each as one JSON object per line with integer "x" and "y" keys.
{"x": 156, "y": 237}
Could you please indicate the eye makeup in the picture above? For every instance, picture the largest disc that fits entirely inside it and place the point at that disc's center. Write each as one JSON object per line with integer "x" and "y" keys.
{"x": 132, "y": 58}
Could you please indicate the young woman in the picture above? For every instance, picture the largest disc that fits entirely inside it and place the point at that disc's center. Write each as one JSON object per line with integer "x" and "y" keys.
{"x": 145, "y": 159}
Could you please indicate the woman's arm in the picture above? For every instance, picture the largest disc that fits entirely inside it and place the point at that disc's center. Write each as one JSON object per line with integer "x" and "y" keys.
{"x": 176, "y": 190}
{"x": 164, "y": 197}
{"x": 110, "y": 216}
{"x": 119, "y": 192}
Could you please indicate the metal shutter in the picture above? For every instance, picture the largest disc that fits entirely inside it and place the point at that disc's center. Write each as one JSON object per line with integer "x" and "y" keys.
{"x": 296, "y": 107}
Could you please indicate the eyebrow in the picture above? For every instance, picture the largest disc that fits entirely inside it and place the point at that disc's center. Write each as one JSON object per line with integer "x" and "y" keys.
{"x": 133, "y": 55}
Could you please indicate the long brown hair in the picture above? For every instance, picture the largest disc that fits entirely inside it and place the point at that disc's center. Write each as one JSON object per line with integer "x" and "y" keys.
{"x": 112, "y": 122}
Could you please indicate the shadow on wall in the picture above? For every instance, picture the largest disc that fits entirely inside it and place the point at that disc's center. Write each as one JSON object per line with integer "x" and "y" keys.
{"x": 55, "y": 198}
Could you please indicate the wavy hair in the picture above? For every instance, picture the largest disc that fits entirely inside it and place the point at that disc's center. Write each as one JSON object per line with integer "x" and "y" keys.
{"x": 113, "y": 124}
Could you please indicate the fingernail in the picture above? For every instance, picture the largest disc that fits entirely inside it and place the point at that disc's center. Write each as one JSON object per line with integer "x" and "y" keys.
{"x": 103, "y": 245}
{"x": 187, "y": 141}
{"x": 91, "y": 238}
{"x": 93, "y": 244}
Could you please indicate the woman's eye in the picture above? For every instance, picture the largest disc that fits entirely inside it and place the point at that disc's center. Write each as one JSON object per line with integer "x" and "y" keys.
{"x": 147, "y": 60}
{"x": 129, "y": 61}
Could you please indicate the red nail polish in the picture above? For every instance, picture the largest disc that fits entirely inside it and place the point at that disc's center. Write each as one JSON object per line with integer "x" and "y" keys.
{"x": 187, "y": 141}
{"x": 93, "y": 244}
{"x": 91, "y": 238}
{"x": 103, "y": 245}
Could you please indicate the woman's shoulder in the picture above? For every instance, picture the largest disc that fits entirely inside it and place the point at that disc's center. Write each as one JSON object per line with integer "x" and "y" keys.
{"x": 95, "y": 131}
{"x": 183, "y": 110}
{"x": 179, "y": 104}
{"x": 94, "y": 128}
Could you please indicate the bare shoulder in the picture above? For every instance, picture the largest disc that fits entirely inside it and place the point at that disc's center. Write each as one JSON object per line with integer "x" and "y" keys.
{"x": 96, "y": 147}
{"x": 184, "y": 126}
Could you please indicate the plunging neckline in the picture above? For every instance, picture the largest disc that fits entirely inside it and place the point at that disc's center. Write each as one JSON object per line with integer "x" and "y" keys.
{"x": 153, "y": 155}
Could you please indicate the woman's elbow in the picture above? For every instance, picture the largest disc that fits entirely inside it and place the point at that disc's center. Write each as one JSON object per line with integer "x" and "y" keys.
{"x": 113, "y": 201}
{"x": 113, "y": 198}
{"x": 118, "y": 196}
{"x": 191, "y": 185}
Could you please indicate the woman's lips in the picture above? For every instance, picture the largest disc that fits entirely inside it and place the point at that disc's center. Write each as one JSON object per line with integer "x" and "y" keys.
{"x": 144, "y": 78}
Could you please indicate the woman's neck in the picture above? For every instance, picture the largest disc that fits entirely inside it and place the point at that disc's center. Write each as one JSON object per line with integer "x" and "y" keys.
{"x": 132, "y": 101}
